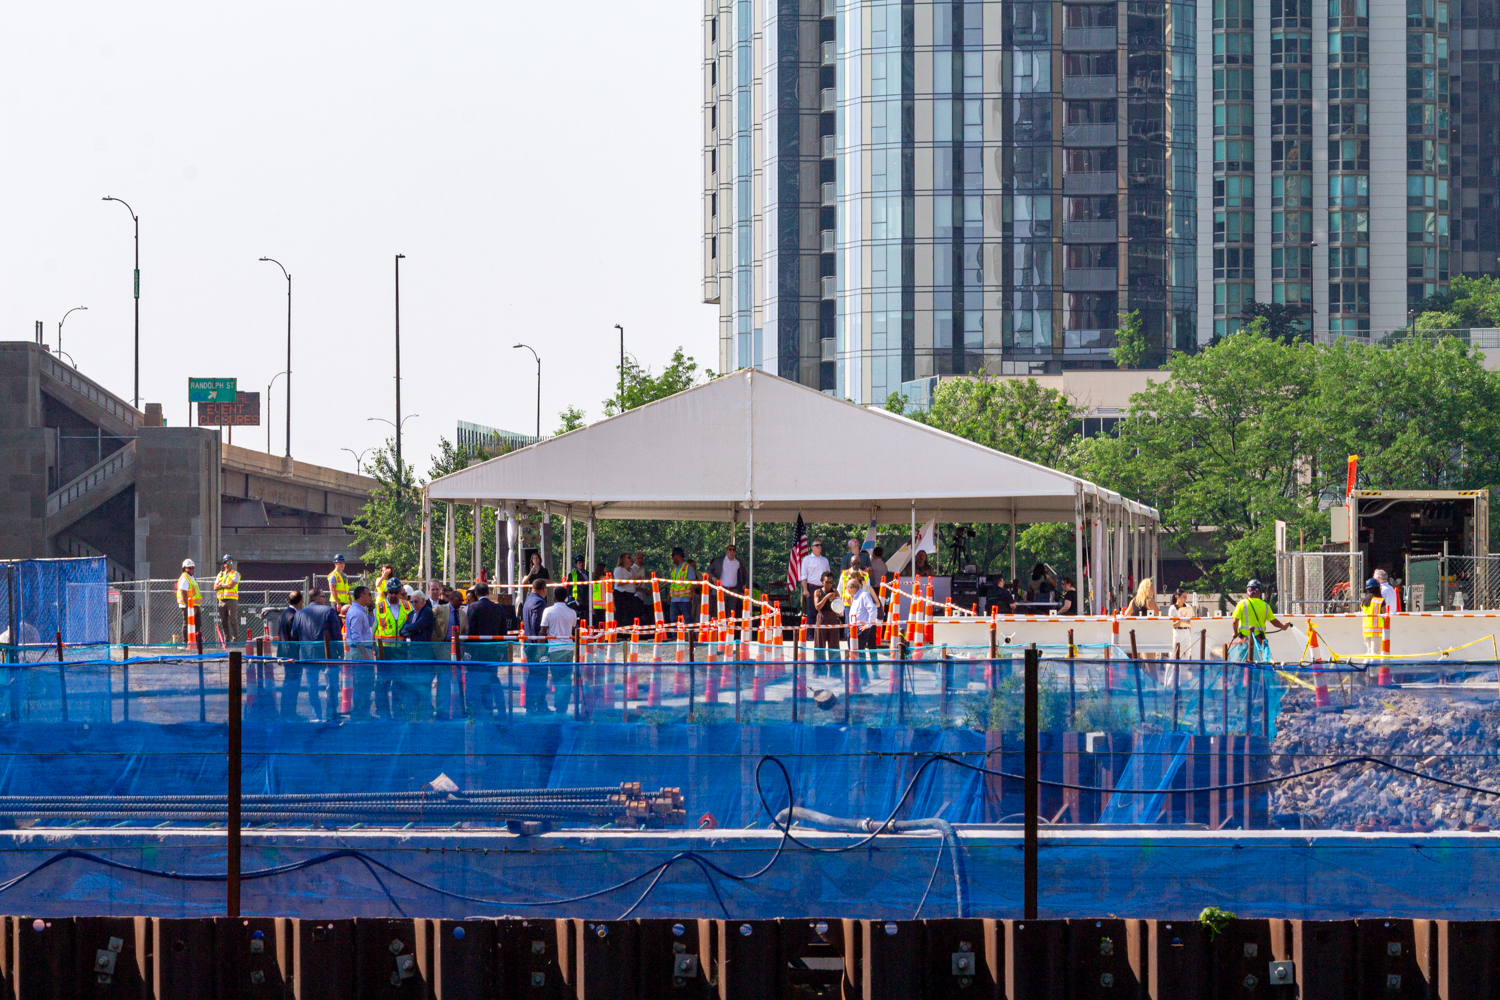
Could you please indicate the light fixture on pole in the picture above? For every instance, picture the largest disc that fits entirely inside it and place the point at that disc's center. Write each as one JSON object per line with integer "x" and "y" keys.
{"x": 382, "y": 420}
{"x": 137, "y": 220}
{"x": 288, "y": 372}
{"x": 622, "y": 366}
{"x": 60, "y": 326}
{"x": 268, "y": 410}
{"x": 538, "y": 357}
{"x": 359, "y": 458}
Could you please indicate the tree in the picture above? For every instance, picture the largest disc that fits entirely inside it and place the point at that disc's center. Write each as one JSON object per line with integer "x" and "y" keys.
{"x": 1469, "y": 303}
{"x": 1130, "y": 341}
{"x": 1286, "y": 323}
{"x": 641, "y": 387}
{"x": 572, "y": 419}
{"x": 1220, "y": 449}
{"x": 385, "y": 527}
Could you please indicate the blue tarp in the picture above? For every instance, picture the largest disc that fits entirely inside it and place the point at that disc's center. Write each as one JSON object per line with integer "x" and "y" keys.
{"x": 852, "y": 772}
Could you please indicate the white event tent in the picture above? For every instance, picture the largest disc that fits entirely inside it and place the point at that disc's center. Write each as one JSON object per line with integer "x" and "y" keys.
{"x": 751, "y": 446}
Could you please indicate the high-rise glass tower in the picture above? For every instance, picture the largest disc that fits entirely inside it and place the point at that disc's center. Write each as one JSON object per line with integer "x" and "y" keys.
{"x": 896, "y": 190}
{"x": 1332, "y": 167}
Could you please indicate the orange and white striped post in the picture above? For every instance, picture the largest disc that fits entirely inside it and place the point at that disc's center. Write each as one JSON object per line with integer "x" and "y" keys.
{"x": 653, "y": 693}
{"x": 609, "y": 607}
{"x": 192, "y": 626}
{"x": 1320, "y": 682}
{"x": 778, "y": 642}
{"x": 990, "y": 680}
{"x": 927, "y": 605}
{"x": 1109, "y": 654}
{"x": 703, "y": 602}
{"x": 853, "y": 662}
{"x": 661, "y": 619}
{"x": 1383, "y": 677}
{"x": 758, "y": 675}
{"x": 727, "y": 649}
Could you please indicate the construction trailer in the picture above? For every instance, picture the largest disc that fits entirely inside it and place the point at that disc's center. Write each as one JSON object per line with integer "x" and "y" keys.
{"x": 1436, "y": 542}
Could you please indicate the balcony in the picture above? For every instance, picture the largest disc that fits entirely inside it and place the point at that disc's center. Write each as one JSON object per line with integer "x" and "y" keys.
{"x": 828, "y": 54}
{"x": 1088, "y": 39}
{"x": 830, "y": 193}
{"x": 830, "y": 145}
{"x": 1103, "y": 134}
{"x": 830, "y": 286}
{"x": 830, "y": 8}
{"x": 1091, "y": 231}
{"x": 1091, "y": 279}
{"x": 1097, "y": 182}
{"x": 828, "y": 241}
{"x": 1087, "y": 87}
{"x": 830, "y": 102}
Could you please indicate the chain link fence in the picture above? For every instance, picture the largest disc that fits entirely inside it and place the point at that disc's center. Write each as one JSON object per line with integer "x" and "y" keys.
{"x": 44, "y": 598}
{"x": 1320, "y": 582}
{"x": 1453, "y": 583}
{"x": 145, "y": 612}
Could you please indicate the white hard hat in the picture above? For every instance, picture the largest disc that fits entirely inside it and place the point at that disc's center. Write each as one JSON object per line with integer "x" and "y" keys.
{"x": 189, "y": 564}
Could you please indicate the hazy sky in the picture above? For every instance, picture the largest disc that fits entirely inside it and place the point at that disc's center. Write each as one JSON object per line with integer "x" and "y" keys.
{"x": 538, "y": 164}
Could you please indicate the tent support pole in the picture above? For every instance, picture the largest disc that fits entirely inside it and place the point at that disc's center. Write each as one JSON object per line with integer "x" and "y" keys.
{"x": 567, "y": 543}
{"x": 750, "y": 570}
{"x": 476, "y": 558}
{"x": 547, "y": 560}
{"x": 450, "y": 554}
{"x": 1078, "y": 545}
{"x": 912, "y": 551}
{"x": 425, "y": 569}
{"x": 1013, "y": 539}
{"x": 499, "y": 547}
{"x": 588, "y": 543}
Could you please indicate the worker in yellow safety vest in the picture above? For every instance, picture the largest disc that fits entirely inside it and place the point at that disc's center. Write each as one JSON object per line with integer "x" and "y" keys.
{"x": 597, "y": 589}
{"x": 188, "y": 594}
{"x": 227, "y": 593}
{"x": 339, "y": 587}
{"x": 391, "y": 612}
{"x": 1252, "y": 614}
{"x": 683, "y": 576}
{"x": 1373, "y": 610}
{"x": 578, "y": 579}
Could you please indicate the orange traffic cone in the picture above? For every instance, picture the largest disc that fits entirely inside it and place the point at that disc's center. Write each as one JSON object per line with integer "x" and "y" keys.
{"x": 799, "y": 687}
{"x": 927, "y": 604}
{"x": 1320, "y": 682}
{"x": 1383, "y": 678}
{"x": 661, "y": 619}
{"x": 632, "y": 692}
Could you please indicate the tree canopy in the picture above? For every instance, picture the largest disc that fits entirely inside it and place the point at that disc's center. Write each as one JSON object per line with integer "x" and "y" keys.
{"x": 1469, "y": 303}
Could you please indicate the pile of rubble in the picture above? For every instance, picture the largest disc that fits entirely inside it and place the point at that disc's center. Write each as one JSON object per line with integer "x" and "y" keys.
{"x": 1451, "y": 737}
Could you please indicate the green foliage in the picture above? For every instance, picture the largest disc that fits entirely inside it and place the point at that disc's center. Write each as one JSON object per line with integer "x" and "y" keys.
{"x": 641, "y": 387}
{"x": 1130, "y": 341}
{"x": 1098, "y": 714}
{"x": 390, "y": 526}
{"x": 1215, "y": 919}
{"x": 571, "y": 419}
{"x": 1471, "y": 302}
{"x": 1003, "y": 710}
{"x": 1017, "y": 416}
{"x": 1286, "y": 323}
{"x": 897, "y": 402}
{"x": 388, "y": 529}
{"x": 1221, "y": 444}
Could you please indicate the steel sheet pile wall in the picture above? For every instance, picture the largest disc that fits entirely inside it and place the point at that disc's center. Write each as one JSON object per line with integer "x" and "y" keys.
{"x": 755, "y": 960}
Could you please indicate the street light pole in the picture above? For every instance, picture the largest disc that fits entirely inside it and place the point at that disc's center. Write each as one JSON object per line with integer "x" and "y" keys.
{"x": 288, "y": 372}
{"x": 399, "y": 258}
{"x": 268, "y": 410}
{"x": 60, "y": 326}
{"x": 538, "y": 387}
{"x": 137, "y": 220}
{"x": 622, "y": 366}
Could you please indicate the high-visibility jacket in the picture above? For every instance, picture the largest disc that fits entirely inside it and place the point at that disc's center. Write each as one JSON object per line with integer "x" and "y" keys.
{"x": 1374, "y": 613}
{"x": 682, "y": 582}
{"x": 188, "y": 594}
{"x": 598, "y": 588}
{"x": 579, "y": 581}
{"x": 388, "y": 620}
{"x": 338, "y": 586}
{"x": 227, "y": 585}
{"x": 1251, "y": 615}
{"x": 846, "y": 586}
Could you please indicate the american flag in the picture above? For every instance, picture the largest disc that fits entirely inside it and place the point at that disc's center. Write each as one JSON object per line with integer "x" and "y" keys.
{"x": 799, "y": 552}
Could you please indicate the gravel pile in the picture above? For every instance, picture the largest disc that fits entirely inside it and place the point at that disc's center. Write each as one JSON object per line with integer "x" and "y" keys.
{"x": 1454, "y": 737}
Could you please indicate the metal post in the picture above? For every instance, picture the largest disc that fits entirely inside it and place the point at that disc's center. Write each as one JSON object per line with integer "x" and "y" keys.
{"x": 400, "y": 474}
{"x": 1072, "y": 683}
{"x": 1202, "y": 669}
{"x": 1140, "y": 698}
{"x": 1033, "y": 777}
{"x": 235, "y": 689}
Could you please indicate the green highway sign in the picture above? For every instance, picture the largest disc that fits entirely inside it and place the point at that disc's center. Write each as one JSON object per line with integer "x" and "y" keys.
{"x": 212, "y": 390}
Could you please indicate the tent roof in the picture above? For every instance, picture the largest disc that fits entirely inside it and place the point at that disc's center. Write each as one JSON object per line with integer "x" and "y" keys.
{"x": 751, "y": 440}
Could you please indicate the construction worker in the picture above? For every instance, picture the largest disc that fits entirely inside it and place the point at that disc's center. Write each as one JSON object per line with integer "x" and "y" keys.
{"x": 597, "y": 599}
{"x": 390, "y": 614}
{"x": 683, "y": 576}
{"x": 227, "y": 593}
{"x": 1373, "y": 607}
{"x": 578, "y": 580}
{"x": 1252, "y": 615}
{"x": 188, "y": 594}
{"x": 339, "y": 588}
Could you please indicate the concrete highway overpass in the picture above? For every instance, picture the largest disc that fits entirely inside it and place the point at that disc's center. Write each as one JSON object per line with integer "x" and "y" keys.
{"x": 87, "y": 474}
